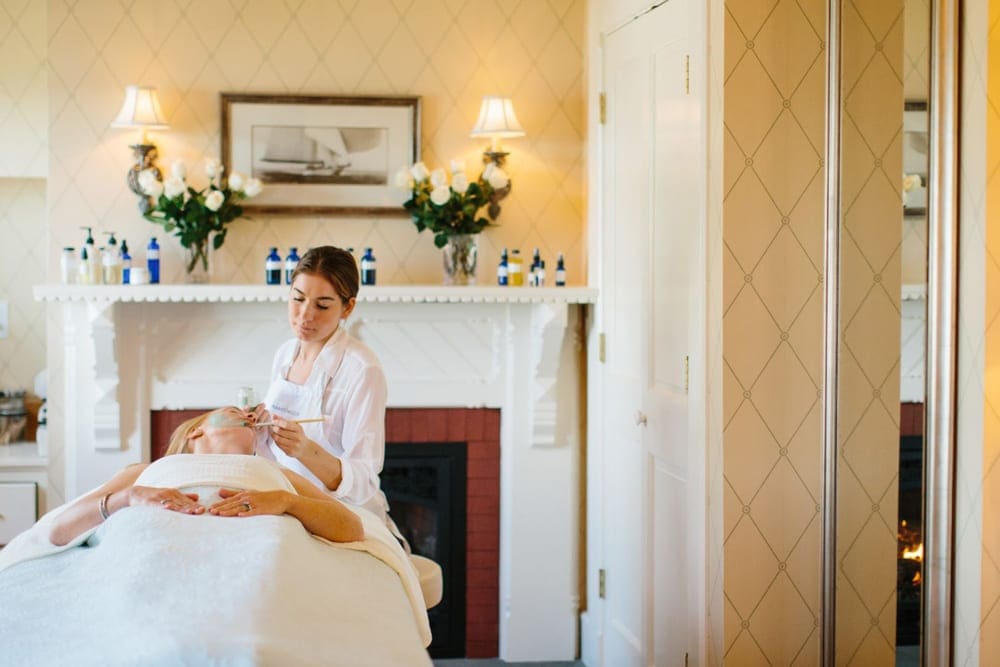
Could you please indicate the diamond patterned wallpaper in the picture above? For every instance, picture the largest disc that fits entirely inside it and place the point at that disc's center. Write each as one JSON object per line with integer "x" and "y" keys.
{"x": 23, "y": 164}
{"x": 772, "y": 331}
{"x": 451, "y": 52}
{"x": 989, "y": 646}
{"x": 867, "y": 494}
{"x": 773, "y": 296}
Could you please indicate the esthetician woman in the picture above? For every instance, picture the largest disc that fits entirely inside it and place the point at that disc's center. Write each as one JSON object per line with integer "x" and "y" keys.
{"x": 324, "y": 373}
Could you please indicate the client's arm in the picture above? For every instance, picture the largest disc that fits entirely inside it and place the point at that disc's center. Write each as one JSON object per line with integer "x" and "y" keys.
{"x": 321, "y": 515}
{"x": 85, "y": 512}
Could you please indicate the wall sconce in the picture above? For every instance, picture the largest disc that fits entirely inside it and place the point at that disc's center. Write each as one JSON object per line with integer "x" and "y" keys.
{"x": 496, "y": 121}
{"x": 141, "y": 109}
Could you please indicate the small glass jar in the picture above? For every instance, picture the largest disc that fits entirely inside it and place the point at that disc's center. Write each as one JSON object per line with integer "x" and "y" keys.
{"x": 246, "y": 398}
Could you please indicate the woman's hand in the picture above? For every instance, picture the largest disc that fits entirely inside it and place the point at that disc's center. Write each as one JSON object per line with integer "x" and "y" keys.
{"x": 290, "y": 437}
{"x": 250, "y": 503}
{"x": 170, "y": 499}
{"x": 258, "y": 414}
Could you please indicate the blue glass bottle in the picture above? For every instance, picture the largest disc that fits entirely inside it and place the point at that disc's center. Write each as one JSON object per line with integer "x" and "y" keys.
{"x": 126, "y": 263}
{"x": 272, "y": 268}
{"x": 561, "y": 272}
{"x": 290, "y": 263}
{"x": 153, "y": 261}
{"x": 502, "y": 270}
{"x": 368, "y": 268}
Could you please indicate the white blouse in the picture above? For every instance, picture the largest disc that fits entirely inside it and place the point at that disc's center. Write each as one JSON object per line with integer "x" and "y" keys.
{"x": 346, "y": 386}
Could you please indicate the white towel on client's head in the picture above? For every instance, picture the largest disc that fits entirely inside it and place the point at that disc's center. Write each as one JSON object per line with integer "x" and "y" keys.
{"x": 231, "y": 471}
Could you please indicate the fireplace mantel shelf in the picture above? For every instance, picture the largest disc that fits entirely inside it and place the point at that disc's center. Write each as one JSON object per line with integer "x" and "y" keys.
{"x": 174, "y": 293}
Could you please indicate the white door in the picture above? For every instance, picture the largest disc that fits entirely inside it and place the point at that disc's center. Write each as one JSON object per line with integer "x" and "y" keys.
{"x": 653, "y": 193}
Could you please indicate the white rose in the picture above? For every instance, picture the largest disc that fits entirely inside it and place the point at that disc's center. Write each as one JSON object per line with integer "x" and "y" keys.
{"x": 252, "y": 187}
{"x": 174, "y": 186}
{"x": 440, "y": 195}
{"x": 178, "y": 169}
{"x": 419, "y": 171}
{"x": 147, "y": 177}
{"x": 213, "y": 167}
{"x": 154, "y": 190}
{"x": 235, "y": 180}
{"x": 459, "y": 183}
{"x": 456, "y": 165}
{"x": 497, "y": 179}
{"x": 213, "y": 202}
{"x": 439, "y": 178}
{"x": 403, "y": 180}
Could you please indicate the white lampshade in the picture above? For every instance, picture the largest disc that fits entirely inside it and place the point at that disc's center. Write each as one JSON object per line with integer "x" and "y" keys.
{"x": 497, "y": 119}
{"x": 140, "y": 109}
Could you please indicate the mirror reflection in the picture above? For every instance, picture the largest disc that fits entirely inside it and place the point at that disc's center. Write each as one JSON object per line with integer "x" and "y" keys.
{"x": 883, "y": 274}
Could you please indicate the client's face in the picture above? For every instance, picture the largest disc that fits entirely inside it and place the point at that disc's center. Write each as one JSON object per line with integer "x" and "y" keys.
{"x": 225, "y": 431}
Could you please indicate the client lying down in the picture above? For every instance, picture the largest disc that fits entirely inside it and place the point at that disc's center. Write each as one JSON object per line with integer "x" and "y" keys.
{"x": 210, "y": 556}
{"x": 223, "y": 432}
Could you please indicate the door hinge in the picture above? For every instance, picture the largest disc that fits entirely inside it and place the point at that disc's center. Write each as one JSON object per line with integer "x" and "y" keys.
{"x": 687, "y": 74}
{"x": 687, "y": 374}
{"x": 600, "y": 348}
{"x": 600, "y": 583}
{"x": 602, "y": 104}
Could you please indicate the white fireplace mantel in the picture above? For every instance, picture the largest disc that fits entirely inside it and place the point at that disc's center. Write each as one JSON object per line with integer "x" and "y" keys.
{"x": 129, "y": 350}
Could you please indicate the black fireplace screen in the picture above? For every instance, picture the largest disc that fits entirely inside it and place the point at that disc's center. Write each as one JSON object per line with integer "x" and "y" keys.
{"x": 425, "y": 486}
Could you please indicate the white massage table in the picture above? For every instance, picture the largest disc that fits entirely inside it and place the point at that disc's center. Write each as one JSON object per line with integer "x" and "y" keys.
{"x": 155, "y": 587}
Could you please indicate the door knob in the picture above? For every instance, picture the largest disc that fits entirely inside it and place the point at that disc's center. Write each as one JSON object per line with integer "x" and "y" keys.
{"x": 640, "y": 418}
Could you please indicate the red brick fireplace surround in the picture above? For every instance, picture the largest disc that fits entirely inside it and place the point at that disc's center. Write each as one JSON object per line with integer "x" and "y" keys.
{"x": 479, "y": 428}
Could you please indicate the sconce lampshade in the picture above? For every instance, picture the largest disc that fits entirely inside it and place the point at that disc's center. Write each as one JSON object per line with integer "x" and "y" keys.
{"x": 141, "y": 109}
{"x": 497, "y": 119}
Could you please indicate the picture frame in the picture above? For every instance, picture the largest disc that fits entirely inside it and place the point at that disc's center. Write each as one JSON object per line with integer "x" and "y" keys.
{"x": 915, "y": 158}
{"x": 321, "y": 154}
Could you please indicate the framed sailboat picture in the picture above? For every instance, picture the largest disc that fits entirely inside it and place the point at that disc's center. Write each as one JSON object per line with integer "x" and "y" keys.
{"x": 321, "y": 155}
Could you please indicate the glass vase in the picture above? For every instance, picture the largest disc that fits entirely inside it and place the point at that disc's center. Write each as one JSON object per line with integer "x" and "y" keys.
{"x": 461, "y": 253}
{"x": 197, "y": 267}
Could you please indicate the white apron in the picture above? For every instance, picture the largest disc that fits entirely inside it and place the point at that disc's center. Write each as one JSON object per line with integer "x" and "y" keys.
{"x": 288, "y": 400}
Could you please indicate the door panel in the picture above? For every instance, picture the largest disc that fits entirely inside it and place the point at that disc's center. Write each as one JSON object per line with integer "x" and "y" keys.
{"x": 653, "y": 176}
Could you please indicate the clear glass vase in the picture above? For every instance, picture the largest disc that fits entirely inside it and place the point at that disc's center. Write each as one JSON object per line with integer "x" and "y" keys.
{"x": 197, "y": 265}
{"x": 461, "y": 253}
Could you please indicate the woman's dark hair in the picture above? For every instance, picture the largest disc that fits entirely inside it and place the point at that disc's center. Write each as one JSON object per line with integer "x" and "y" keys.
{"x": 336, "y": 265}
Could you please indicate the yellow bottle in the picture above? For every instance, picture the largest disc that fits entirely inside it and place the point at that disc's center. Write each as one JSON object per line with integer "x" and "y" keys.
{"x": 515, "y": 273}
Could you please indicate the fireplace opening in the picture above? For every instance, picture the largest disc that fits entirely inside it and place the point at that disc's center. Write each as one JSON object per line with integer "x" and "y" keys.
{"x": 910, "y": 546}
{"x": 425, "y": 484}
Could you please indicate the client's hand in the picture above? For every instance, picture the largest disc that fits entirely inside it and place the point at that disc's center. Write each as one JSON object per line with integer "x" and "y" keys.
{"x": 250, "y": 503}
{"x": 290, "y": 437}
{"x": 171, "y": 499}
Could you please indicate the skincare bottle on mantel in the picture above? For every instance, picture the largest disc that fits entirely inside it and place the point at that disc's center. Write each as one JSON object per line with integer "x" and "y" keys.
{"x": 290, "y": 263}
{"x": 153, "y": 261}
{"x": 561, "y": 272}
{"x": 272, "y": 268}
{"x": 540, "y": 274}
{"x": 111, "y": 262}
{"x": 515, "y": 275}
{"x": 126, "y": 263}
{"x": 83, "y": 268}
{"x": 502, "y": 269}
{"x": 536, "y": 259}
{"x": 368, "y": 268}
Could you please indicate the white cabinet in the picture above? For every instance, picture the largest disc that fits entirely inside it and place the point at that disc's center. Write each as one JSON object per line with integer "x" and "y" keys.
{"x": 18, "y": 508}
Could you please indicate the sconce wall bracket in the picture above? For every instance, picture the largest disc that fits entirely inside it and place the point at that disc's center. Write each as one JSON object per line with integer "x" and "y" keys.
{"x": 145, "y": 156}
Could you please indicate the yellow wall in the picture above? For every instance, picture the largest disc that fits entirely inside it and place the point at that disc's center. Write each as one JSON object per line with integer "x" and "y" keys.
{"x": 23, "y": 166}
{"x": 772, "y": 330}
{"x": 773, "y": 304}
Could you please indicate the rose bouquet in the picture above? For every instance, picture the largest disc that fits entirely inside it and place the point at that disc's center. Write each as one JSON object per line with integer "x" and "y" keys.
{"x": 195, "y": 215}
{"x": 448, "y": 203}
